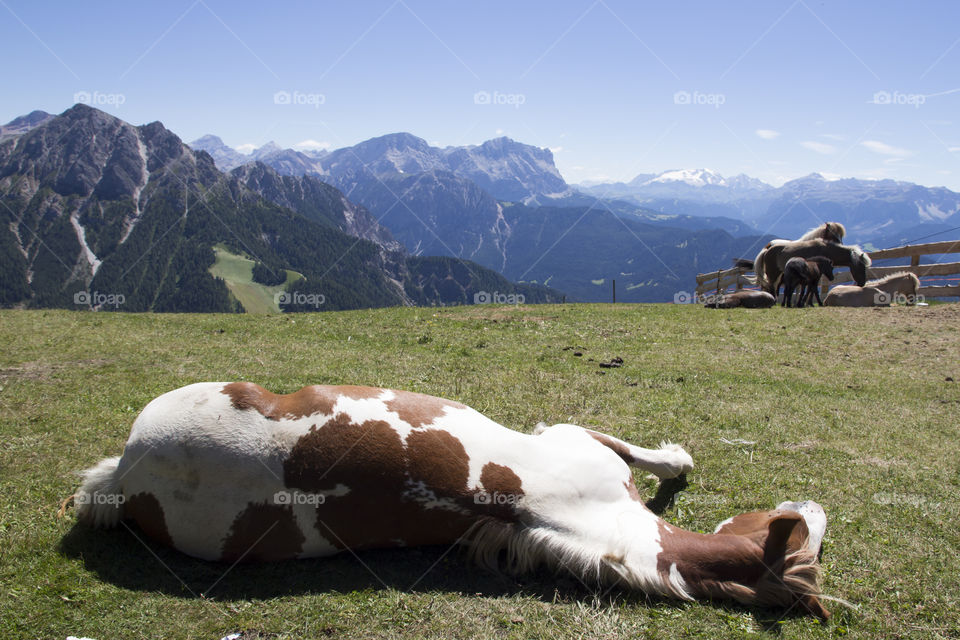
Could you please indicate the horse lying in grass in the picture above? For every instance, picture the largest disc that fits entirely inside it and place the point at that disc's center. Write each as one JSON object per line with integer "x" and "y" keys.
{"x": 746, "y": 299}
{"x": 847, "y": 295}
{"x": 805, "y": 273}
{"x": 901, "y": 286}
{"x": 232, "y": 472}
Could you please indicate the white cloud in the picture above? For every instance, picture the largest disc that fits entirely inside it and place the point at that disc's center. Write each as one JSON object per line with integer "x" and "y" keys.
{"x": 954, "y": 149}
{"x": 555, "y": 150}
{"x": 767, "y": 134}
{"x": 819, "y": 147}
{"x": 833, "y": 136}
{"x": 312, "y": 145}
{"x": 247, "y": 148}
{"x": 885, "y": 149}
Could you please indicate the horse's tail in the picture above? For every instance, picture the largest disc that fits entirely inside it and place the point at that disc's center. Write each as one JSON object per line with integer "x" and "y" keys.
{"x": 758, "y": 268}
{"x": 742, "y": 263}
{"x": 99, "y": 501}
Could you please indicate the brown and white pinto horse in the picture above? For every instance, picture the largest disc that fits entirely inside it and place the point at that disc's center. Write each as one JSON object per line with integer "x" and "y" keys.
{"x": 232, "y": 472}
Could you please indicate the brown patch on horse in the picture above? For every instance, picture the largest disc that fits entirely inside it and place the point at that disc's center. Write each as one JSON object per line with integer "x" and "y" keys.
{"x": 504, "y": 490}
{"x": 756, "y": 524}
{"x": 419, "y": 410}
{"x": 618, "y": 447}
{"x": 388, "y": 484}
{"x": 438, "y": 459}
{"x": 263, "y": 533}
{"x": 144, "y": 509}
{"x": 305, "y": 402}
{"x": 704, "y": 559}
{"x": 632, "y": 490}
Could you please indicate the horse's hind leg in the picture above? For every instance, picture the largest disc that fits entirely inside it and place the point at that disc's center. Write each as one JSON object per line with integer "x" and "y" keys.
{"x": 815, "y": 291}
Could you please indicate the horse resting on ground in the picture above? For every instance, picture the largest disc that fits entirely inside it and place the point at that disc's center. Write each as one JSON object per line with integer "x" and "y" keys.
{"x": 805, "y": 272}
{"x": 232, "y": 472}
{"x": 901, "y": 286}
{"x": 847, "y": 295}
{"x": 746, "y": 299}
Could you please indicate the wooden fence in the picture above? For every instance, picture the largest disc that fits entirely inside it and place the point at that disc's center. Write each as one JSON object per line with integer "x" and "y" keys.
{"x": 718, "y": 282}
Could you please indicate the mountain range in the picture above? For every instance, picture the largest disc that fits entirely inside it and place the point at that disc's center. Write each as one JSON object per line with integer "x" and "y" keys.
{"x": 95, "y": 205}
{"x": 875, "y": 212}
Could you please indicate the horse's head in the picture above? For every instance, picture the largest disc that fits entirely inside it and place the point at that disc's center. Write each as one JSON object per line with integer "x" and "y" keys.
{"x": 859, "y": 261}
{"x": 826, "y": 267}
{"x": 790, "y": 538}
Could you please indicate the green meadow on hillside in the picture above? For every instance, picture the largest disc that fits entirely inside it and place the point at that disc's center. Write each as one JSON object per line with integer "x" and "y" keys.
{"x": 855, "y": 408}
{"x": 237, "y": 273}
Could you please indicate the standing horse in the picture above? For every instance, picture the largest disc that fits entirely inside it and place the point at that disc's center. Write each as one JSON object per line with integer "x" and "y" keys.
{"x": 231, "y": 472}
{"x": 805, "y": 272}
{"x": 901, "y": 286}
{"x": 770, "y": 269}
{"x": 829, "y": 231}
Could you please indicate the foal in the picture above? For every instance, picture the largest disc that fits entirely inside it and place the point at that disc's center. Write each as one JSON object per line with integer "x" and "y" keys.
{"x": 805, "y": 272}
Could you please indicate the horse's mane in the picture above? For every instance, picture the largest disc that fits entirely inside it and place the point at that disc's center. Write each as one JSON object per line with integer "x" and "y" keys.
{"x": 830, "y": 231}
{"x": 893, "y": 276}
{"x": 857, "y": 253}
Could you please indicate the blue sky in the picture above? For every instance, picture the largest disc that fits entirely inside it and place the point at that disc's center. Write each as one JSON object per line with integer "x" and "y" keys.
{"x": 775, "y": 89}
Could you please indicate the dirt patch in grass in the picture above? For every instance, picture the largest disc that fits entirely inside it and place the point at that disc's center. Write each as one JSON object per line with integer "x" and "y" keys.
{"x": 45, "y": 371}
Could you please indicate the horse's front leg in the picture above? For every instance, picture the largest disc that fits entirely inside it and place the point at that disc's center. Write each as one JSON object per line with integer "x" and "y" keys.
{"x": 669, "y": 461}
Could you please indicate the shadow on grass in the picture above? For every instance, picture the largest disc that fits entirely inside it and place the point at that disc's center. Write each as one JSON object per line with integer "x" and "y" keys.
{"x": 117, "y": 556}
{"x": 127, "y": 559}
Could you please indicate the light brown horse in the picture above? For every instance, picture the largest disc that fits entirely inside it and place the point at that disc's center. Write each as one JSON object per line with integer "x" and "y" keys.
{"x": 829, "y": 231}
{"x": 848, "y": 295}
{"x": 769, "y": 269}
{"x": 901, "y": 286}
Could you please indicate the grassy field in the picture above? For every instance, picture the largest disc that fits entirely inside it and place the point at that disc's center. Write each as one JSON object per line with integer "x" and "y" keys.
{"x": 856, "y": 408}
{"x": 237, "y": 272}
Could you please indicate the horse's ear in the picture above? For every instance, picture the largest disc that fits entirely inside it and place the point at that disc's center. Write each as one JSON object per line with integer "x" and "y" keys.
{"x": 786, "y": 532}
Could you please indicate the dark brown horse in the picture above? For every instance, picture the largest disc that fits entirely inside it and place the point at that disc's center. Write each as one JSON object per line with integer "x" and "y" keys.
{"x": 769, "y": 269}
{"x": 746, "y": 299}
{"x": 805, "y": 273}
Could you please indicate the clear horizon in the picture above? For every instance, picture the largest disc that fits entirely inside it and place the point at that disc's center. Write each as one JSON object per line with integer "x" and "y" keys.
{"x": 775, "y": 90}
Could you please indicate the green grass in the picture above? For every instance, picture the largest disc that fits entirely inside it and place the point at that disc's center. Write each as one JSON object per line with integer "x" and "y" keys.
{"x": 237, "y": 272}
{"x": 851, "y": 407}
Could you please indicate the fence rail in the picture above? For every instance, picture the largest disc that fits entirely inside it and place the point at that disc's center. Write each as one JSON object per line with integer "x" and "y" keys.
{"x": 718, "y": 282}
